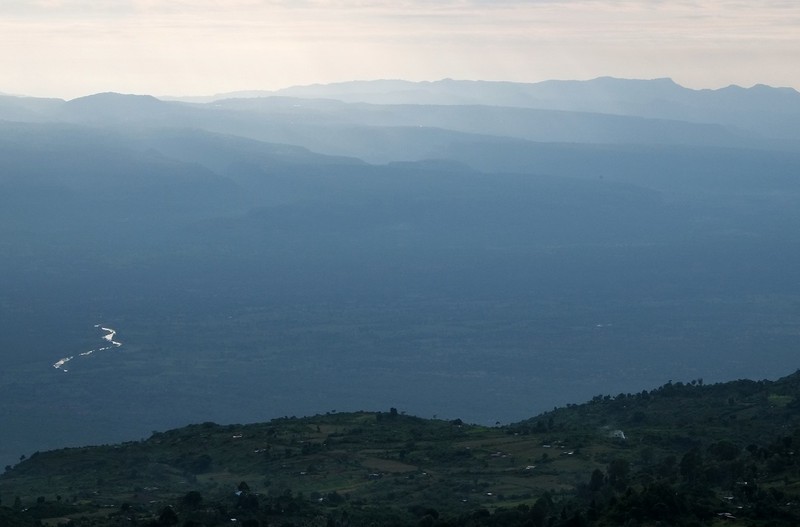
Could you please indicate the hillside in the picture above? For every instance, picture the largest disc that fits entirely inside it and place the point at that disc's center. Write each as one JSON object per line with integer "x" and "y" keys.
{"x": 684, "y": 453}
{"x": 770, "y": 111}
{"x": 502, "y": 260}
{"x": 236, "y": 270}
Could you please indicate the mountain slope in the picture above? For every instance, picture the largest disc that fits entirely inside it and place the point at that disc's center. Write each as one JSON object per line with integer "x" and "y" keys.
{"x": 238, "y": 270}
{"x": 603, "y": 111}
{"x": 730, "y": 449}
{"x": 772, "y": 112}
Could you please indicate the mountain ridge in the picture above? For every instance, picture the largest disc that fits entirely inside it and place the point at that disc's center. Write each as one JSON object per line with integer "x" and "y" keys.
{"x": 393, "y": 120}
{"x": 426, "y": 266}
{"x": 395, "y": 84}
{"x": 596, "y": 460}
{"x": 385, "y": 121}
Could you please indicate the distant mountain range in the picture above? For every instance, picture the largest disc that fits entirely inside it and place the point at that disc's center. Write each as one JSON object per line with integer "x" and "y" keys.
{"x": 770, "y": 111}
{"x": 382, "y": 121}
{"x": 473, "y": 249}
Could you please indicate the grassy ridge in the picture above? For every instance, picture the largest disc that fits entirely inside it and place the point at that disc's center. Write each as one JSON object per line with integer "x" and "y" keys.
{"x": 686, "y": 453}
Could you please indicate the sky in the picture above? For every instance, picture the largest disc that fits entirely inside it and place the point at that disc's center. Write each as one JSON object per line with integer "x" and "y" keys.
{"x": 70, "y": 48}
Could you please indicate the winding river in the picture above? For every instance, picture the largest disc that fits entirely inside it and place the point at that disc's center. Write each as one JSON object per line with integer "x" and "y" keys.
{"x": 108, "y": 337}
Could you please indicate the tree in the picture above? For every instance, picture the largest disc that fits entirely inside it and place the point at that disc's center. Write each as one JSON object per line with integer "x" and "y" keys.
{"x": 618, "y": 471}
{"x": 692, "y": 466}
{"x": 598, "y": 478}
{"x": 200, "y": 464}
{"x": 191, "y": 500}
{"x": 167, "y": 517}
{"x": 724, "y": 450}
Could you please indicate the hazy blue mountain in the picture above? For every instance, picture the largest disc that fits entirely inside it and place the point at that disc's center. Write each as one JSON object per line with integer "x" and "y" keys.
{"x": 374, "y": 130}
{"x": 27, "y": 108}
{"x": 685, "y": 169}
{"x": 86, "y": 161}
{"x": 383, "y": 133}
{"x": 478, "y": 273}
{"x": 115, "y": 108}
{"x": 772, "y": 112}
{"x": 603, "y": 111}
{"x": 202, "y": 99}
{"x": 239, "y": 272}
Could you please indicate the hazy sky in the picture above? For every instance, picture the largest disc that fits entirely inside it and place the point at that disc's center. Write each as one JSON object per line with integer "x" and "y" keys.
{"x": 68, "y": 48}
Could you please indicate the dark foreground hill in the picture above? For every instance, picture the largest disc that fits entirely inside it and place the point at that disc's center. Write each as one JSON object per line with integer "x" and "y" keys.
{"x": 682, "y": 454}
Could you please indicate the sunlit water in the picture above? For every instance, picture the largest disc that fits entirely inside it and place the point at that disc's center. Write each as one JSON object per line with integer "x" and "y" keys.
{"x": 108, "y": 337}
